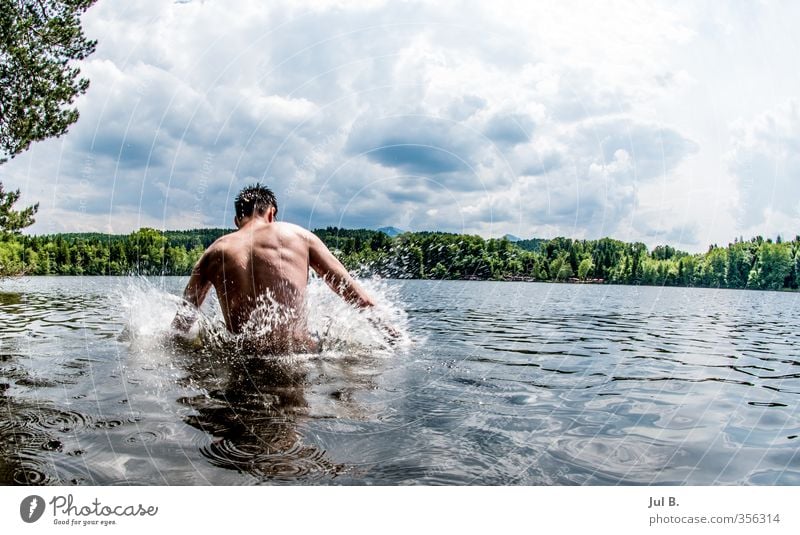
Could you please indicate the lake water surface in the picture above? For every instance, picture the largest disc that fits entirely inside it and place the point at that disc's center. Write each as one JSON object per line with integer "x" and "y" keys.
{"x": 499, "y": 383}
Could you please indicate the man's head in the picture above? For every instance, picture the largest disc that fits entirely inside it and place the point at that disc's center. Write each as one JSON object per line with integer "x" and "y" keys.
{"x": 255, "y": 200}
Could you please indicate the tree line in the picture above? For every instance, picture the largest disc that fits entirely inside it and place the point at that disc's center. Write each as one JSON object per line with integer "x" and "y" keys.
{"x": 757, "y": 263}
{"x": 144, "y": 252}
{"x": 41, "y": 44}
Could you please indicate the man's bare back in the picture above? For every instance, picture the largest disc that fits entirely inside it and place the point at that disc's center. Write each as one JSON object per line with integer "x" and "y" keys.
{"x": 263, "y": 267}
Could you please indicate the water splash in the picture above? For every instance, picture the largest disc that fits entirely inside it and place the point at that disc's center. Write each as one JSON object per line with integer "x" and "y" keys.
{"x": 339, "y": 328}
{"x": 147, "y": 309}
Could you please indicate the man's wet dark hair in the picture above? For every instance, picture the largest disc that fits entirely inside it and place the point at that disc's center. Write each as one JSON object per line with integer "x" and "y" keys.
{"x": 255, "y": 199}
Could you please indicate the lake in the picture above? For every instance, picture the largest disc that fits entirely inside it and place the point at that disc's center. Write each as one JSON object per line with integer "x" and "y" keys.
{"x": 494, "y": 383}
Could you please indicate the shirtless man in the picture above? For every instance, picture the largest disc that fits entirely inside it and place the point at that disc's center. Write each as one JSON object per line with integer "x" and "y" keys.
{"x": 265, "y": 261}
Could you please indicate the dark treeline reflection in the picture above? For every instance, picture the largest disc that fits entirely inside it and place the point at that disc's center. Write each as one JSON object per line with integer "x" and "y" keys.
{"x": 757, "y": 263}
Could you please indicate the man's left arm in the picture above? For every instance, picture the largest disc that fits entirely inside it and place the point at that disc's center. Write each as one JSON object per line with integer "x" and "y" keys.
{"x": 334, "y": 273}
{"x": 336, "y": 276}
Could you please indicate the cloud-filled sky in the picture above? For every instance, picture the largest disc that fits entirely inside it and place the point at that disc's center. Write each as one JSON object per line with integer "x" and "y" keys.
{"x": 673, "y": 122}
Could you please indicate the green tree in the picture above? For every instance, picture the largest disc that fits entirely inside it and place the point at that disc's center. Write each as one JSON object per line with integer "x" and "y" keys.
{"x": 560, "y": 268}
{"x": 438, "y": 272}
{"x": 638, "y": 252}
{"x": 713, "y": 268}
{"x": 740, "y": 262}
{"x": 796, "y": 267}
{"x": 606, "y": 254}
{"x": 13, "y": 221}
{"x": 11, "y": 252}
{"x": 40, "y": 40}
{"x": 147, "y": 251}
{"x": 585, "y": 268}
{"x": 773, "y": 267}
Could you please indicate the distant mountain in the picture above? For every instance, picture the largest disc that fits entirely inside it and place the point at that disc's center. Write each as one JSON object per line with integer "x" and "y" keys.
{"x": 512, "y": 238}
{"x": 391, "y": 231}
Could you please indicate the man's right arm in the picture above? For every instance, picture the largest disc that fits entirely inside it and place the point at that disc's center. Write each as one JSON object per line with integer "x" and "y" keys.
{"x": 193, "y": 296}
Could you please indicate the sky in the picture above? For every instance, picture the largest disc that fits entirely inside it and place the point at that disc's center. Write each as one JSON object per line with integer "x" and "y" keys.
{"x": 668, "y": 123}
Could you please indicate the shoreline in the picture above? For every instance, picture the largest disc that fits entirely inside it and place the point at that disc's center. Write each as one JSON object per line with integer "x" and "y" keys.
{"x": 588, "y": 282}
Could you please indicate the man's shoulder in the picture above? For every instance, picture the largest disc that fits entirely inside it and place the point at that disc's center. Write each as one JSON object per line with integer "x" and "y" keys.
{"x": 285, "y": 225}
{"x": 223, "y": 244}
{"x": 291, "y": 228}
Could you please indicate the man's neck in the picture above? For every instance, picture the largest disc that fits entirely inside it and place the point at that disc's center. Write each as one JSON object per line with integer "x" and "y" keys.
{"x": 255, "y": 222}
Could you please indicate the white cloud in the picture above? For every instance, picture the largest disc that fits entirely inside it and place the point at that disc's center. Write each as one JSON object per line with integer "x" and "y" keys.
{"x": 579, "y": 119}
{"x": 766, "y": 163}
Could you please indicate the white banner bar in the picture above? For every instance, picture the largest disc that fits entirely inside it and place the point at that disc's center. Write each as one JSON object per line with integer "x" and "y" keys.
{"x": 354, "y": 510}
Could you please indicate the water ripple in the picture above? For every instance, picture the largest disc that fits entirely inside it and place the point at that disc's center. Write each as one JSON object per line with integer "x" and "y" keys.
{"x": 508, "y": 383}
{"x": 297, "y": 462}
{"x": 50, "y": 419}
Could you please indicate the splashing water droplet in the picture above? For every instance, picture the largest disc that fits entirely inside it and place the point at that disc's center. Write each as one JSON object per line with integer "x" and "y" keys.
{"x": 338, "y": 327}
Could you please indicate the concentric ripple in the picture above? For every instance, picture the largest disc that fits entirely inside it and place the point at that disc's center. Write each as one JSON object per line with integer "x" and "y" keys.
{"x": 299, "y": 462}
{"x": 33, "y": 472}
{"x": 51, "y": 419}
{"x": 144, "y": 437}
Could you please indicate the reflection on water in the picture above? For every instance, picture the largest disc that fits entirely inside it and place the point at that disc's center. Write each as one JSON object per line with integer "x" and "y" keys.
{"x": 251, "y": 408}
{"x": 504, "y": 383}
{"x": 10, "y": 299}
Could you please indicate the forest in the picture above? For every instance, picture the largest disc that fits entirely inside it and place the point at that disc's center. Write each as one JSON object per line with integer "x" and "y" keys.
{"x": 757, "y": 263}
